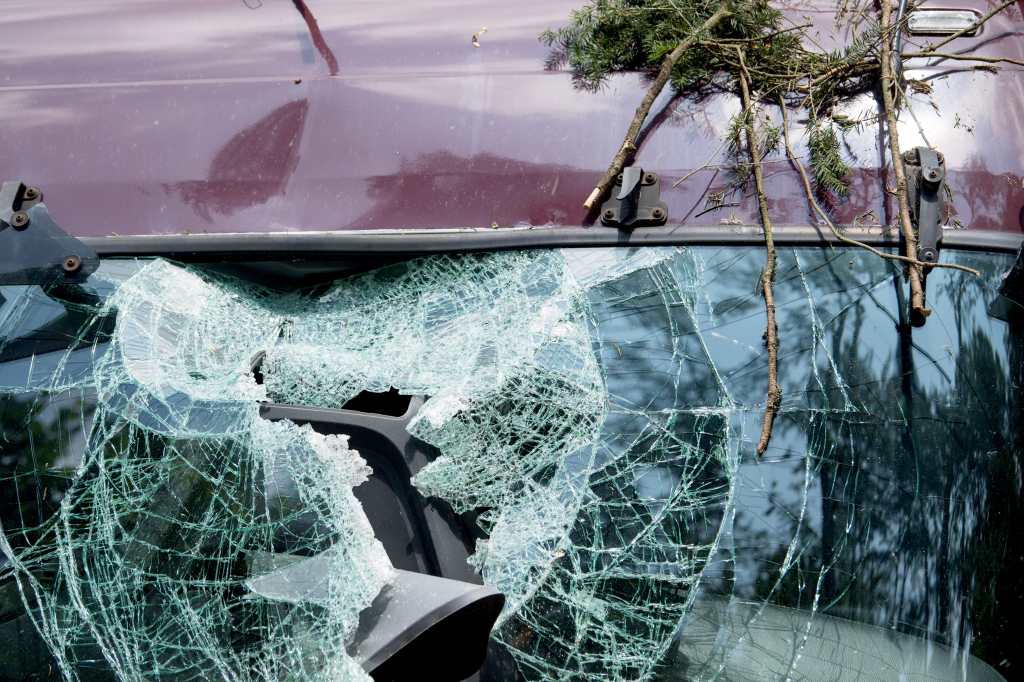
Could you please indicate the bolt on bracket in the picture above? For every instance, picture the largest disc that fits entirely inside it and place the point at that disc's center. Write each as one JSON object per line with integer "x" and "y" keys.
{"x": 635, "y": 200}
{"x": 33, "y": 248}
{"x": 926, "y": 190}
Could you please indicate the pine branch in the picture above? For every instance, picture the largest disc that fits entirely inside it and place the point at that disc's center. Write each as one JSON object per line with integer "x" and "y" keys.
{"x": 830, "y": 171}
{"x": 628, "y": 147}
{"x": 608, "y": 36}
{"x": 771, "y": 333}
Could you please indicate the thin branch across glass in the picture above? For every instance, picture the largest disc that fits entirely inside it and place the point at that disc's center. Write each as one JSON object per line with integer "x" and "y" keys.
{"x": 593, "y": 410}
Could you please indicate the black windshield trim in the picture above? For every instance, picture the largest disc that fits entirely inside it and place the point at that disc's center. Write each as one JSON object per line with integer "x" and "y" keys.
{"x": 322, "y": 245}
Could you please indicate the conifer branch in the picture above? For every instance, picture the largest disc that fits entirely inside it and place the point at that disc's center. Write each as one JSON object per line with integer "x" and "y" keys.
{"x": 628, "y": 147}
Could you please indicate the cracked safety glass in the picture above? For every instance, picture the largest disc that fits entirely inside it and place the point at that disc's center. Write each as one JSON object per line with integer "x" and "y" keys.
{"x": 197, "y": 478}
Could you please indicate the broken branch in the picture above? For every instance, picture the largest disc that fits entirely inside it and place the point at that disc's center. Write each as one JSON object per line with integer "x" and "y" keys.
{"x": 706, "y": 164}
{"x": 962, "y": 57}
{"x": 628, "y": 147}
{"x": 762, "y": 38}
{"x": 771, "y": 333}
{"x": 828, "y": 221}
{"x": 973, "y": 27}
{"x": 915, "y": 273}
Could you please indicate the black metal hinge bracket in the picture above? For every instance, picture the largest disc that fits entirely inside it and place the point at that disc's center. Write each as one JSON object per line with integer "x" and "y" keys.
{"x": 635, "y": 200}
{"x": 33, "y": 248}
{"x": 926, "y": 191}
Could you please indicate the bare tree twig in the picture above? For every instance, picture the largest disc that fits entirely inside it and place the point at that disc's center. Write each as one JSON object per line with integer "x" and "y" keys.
{"x": 760, "y": 38}
{"x": 717, "y": 207}
{"x": 973, "y": 27}
{"x": 849, "y": 69}
{"x": 915, "y": 274}
{"x": 962, "y": 57}
{"x": 771, "y": 334}
{"x": 828, "y": 221}
{"x": 887, "y": 31}
{"x": 628, "y": 147}
{"x": 706, "y": 164}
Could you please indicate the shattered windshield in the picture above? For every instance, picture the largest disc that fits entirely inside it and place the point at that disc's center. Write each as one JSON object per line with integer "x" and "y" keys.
{"x": 586, "y": 421}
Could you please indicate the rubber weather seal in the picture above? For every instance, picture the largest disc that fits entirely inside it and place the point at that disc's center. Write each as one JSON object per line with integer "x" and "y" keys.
{"x": 404, "y": 243}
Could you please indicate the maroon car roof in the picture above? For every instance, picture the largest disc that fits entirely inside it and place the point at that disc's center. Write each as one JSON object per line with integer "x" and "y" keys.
{"x": 193, "y": 116}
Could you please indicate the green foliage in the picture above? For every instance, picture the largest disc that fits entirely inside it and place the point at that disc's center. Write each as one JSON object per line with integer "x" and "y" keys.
{"x": 769, "y": 137}
{"x": 736, "y": 145}
{"x": 844, "y": 71}
{"x": 606, "y": 36}
{"x": 827, "y": 163}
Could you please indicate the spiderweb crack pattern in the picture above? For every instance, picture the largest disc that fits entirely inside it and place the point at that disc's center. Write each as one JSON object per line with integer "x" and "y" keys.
{"x": 594, "y": 409}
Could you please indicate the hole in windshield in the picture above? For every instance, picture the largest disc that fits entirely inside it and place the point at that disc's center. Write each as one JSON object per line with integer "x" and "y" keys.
{"x": 594, "y": 411}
